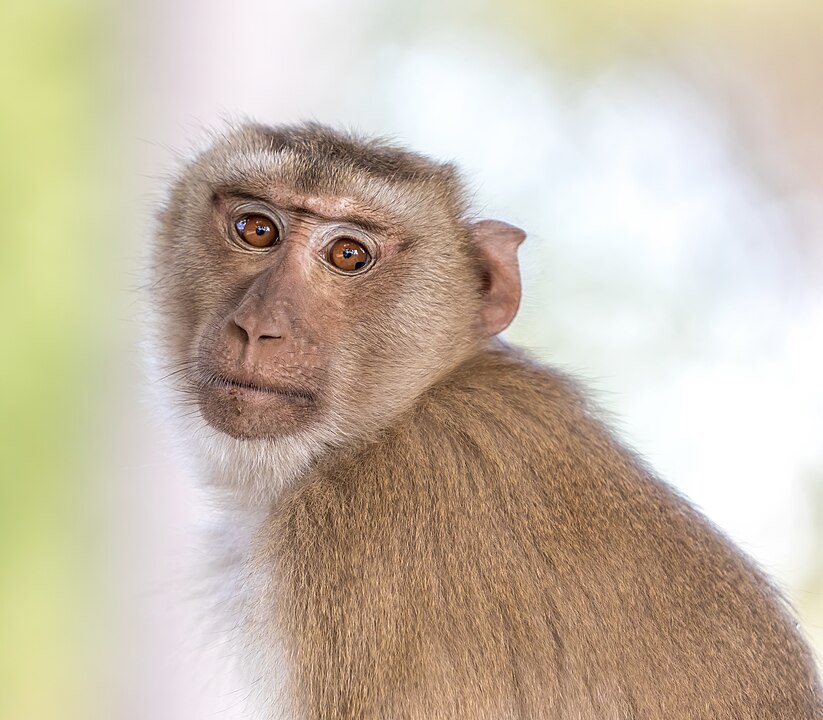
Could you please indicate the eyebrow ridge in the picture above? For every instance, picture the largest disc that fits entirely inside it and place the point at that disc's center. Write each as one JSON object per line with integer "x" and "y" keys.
{"x": 365, "y": 223}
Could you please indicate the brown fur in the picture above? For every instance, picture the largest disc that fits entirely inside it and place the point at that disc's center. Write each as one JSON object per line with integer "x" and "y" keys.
{"x": 470, "y": 542}
{"x": 497, "y": 554}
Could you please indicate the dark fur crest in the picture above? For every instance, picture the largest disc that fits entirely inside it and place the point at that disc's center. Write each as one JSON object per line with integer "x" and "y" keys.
{"x": 324, "y": 148}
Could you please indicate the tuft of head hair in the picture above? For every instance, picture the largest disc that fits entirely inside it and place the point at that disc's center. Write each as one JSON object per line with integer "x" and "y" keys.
{"x": 315, "y": 158}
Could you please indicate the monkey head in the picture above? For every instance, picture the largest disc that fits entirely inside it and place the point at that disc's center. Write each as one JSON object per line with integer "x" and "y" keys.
{"x": 312, "y": 283}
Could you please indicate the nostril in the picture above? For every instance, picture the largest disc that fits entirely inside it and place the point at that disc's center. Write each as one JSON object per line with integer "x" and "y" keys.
{"x": 240, "y": 330}
{"x": 250, "y": 328}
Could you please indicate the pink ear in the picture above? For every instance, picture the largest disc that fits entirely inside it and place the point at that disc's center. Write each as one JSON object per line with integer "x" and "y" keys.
{"x": 497, "y": 242}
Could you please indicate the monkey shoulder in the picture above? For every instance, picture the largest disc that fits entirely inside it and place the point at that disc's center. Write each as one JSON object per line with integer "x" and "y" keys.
{"x": 501, "y": 507}
{"x": 548, "y": 444}
{"x": 613, "y": 552}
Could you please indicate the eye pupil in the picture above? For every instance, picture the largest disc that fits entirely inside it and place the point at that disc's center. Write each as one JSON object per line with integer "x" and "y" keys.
{"x": 257, "y": 231}
{"x": 348, "y": 255}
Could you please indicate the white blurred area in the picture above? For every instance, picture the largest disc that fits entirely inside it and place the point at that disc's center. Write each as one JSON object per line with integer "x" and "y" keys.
{"x": 662, "y": 267}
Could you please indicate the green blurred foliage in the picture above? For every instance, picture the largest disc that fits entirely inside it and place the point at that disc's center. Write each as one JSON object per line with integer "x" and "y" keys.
{"x": 53, "y": 203}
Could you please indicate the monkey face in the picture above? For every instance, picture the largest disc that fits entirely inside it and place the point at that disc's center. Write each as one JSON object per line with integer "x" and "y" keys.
{"x": 284, "y": 347}
{"x": 313, "y": 284}
{"x": 297, "y": 311}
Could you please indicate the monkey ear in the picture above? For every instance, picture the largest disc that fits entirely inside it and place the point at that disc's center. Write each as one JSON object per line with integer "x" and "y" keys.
{"x": 497, "y": 242}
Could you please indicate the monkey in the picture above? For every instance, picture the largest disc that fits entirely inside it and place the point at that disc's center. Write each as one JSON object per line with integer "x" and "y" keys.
{"x": 437, "y": 526}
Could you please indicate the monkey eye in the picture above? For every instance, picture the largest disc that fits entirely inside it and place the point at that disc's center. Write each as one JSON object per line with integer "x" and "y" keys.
{"x": 257, "y": 231}
{"x": 348, "y": 255}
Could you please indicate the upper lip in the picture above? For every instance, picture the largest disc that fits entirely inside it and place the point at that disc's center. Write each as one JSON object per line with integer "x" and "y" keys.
{"x": 226, "y": 381}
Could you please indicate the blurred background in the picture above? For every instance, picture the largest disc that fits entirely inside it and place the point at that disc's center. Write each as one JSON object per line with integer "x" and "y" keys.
{"x": 666, "y": 157}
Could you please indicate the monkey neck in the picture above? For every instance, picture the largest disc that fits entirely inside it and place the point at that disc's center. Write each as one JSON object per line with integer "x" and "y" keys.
{"x": 497, "y": 392}
{"x": 253, "y": 474}
{"x": 495, "y": 410}
{"x": 250, "y": 474}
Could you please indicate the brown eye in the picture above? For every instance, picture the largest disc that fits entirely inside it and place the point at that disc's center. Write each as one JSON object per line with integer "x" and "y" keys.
{"x": 349, "y": 255}
{"x": 257, "y": 230}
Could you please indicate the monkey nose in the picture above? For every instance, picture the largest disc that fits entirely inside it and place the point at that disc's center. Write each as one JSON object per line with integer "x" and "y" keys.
{"x": 252, "y": 328}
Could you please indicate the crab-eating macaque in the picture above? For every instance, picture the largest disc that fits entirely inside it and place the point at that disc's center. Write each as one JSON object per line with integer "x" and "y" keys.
{"x": 441, "y": 527}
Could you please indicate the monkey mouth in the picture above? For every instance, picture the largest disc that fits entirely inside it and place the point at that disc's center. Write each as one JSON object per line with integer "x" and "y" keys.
{"x": 234, "y": 387}
{"x": 246, "y": 408}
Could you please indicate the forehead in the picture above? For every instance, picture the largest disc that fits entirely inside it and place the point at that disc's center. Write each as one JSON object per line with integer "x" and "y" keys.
{"x": 330, "y": 175}
{"x": 315, "y": 149}
{"x": 325, "y": 206}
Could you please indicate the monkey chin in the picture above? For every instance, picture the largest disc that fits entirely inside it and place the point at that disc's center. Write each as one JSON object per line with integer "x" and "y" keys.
{"x": 249, "y": 413}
